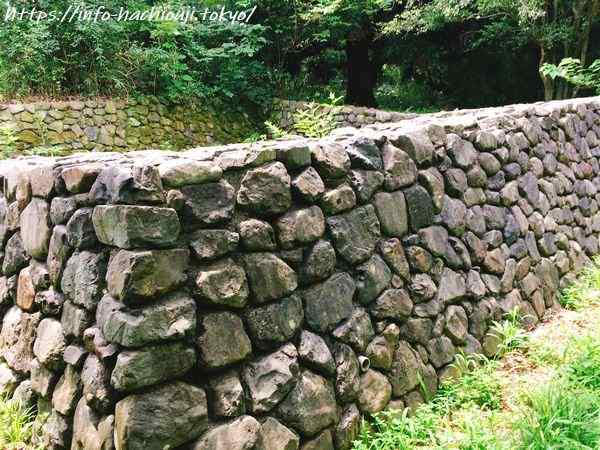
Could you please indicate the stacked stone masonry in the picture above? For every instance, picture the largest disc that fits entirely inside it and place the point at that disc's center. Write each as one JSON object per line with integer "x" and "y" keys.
{"x": 344, "y": 116}
{"x": 268, "y": 296}
{"x": 118, "y": 125}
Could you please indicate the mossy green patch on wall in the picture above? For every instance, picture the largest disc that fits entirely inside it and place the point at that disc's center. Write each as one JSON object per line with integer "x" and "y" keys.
{"x": 119, "y": 125}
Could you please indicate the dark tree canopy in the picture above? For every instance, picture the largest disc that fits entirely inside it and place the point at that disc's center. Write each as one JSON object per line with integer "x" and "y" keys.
{"x": 410, "y": 55}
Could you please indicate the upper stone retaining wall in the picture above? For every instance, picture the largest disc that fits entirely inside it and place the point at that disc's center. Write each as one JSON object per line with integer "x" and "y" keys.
{"x": 119, "y": 125}
{"x": 345, "y": 116}
{"x": 270, "y": 294}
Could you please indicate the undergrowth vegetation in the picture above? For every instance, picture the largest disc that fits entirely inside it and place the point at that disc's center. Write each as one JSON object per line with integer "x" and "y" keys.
{"x": 541, "y": 391}
{"x": 18, "y": 427}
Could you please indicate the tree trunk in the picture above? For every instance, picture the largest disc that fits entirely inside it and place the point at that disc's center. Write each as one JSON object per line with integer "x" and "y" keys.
{"x": 546, "y": 80}
{"x": 362, "y": 73}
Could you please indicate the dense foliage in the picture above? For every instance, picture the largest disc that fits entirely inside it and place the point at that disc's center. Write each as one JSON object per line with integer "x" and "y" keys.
{"x": 409, "y": 55}
{"x": 176, "y": 60}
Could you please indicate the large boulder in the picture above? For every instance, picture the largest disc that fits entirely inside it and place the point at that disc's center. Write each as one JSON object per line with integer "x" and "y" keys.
{"x": 273, "y": 435}
{"x": 50, "y": 343}
{"x": 240, "y": 434}
{"x": 83, "y": 278}
{"x": 373, "y": 276}
{"x": 404, "y": 375}
{"x": 126, "y": 226}
{"x": 163, "y": 417}
{"x": 355, "y": 234}
{"x": 35, "y": 228}
{"x": 222, "y": 340}
{"x": 270, "y": 277}
{"x": 321, "y": 313}
{"x": 207, "y": 204}
{"x": 223, "y": 283}
{"x": 266, "y": 190}
{"x": 153, "y": 364}
{"x": 391, "y": 211}
{"x": 300, "y": 227}
{"x": 67, "y": 391}
{"x": 270, "y": 378}
{"x": 420, "y": 207}
{"x": 276, "y": 323}
{"x": 400, "y": 169}
{"x": 142, "y": 275}
{"x": 212, "y": 244}
{"x": 17, "y": 338}
{"x": 314, "y": 353}
{"x": 310, "y": 406}
{"x": 181, "y": 172}
{"x": 374, "y": 393}
{"x": 90, "y": 430}
{"x": 15, "y": 255}
{"x": 226, "y": 396}
{"x": 172, "y": 317}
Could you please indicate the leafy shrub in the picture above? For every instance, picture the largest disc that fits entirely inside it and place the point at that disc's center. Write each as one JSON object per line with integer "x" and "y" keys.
{"x": 509, "y": 333}
{"x": 396, "y": 92}
{"x": 176, "y": 61}
{"x": 571, "y": 70}
{"x": 316, "y": 120}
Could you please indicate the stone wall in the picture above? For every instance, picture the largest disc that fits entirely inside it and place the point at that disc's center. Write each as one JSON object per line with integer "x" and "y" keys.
{"x": 269, "y": 295}
{"x": 120, "y": 125}
{"x": 345, "y": 116}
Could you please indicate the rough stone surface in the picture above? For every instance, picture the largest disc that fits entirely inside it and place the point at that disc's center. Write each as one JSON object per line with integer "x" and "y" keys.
{"x": 83, "y": 278}
{"x": 35, "y": 228}
{"x": 145, "y": 274}
{"x": 240, "y": 434}
{"x": 310, "y": 406}
{"x": 375, "y": 392}
{"x": 304, "y": 284}
{"x": 207, "y": 204}
{"x": 275, "y": 323}
{"x": 50, "y": 343}
{"x": 321, "y": 313}
{"x": 355, "y": 234}
{"x": 136, "y": 369}
{"x": 226, "y": 395}
{"x": 275, "y": 436}
{"x": 223, "y": 283}
{"x": 170, "y": 318}
{"x": 270, "y": 378}
{"x": 168, "y": 415}
{"x": 266, "y": 190}
{"x": 223, "y": 340}
{"x": 300, "y": 227}
{"x": 391, "y": 211}
{"x": 314, "y": 353}
{"x": 129, "y": 227}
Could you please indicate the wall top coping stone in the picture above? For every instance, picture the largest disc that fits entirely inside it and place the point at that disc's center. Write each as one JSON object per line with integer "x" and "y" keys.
{"x": 245, "y": 155}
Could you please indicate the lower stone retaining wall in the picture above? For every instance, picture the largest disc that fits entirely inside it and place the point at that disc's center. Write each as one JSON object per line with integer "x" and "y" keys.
{"x": 119, "y": 125}
{"x": 270, "y": 295}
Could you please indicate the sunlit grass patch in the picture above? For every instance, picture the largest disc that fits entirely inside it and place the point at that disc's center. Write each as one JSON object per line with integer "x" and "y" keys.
{"x": 585, "y": 291}
{"x": 559, "y": 416}
{"x": 18, "y": 428}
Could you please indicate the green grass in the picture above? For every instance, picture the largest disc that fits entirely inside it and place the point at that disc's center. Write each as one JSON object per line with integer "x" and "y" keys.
{"x": 586, "y": 291}
{"x": 18, "y": 426}
{"x": 559, "y": 416}
{"x": 541, "y": 391}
